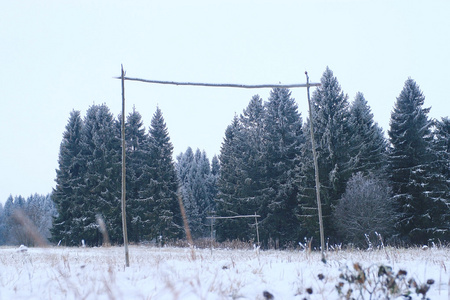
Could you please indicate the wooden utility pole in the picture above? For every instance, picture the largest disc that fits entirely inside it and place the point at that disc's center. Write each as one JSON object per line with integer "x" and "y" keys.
{"x": 316, "y": 171}
{"x": 124, "y": 215}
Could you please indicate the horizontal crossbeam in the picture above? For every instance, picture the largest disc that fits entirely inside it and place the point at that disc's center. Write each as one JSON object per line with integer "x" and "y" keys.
{"x": 234, "y": 217}
{"x": 224, "y": 85}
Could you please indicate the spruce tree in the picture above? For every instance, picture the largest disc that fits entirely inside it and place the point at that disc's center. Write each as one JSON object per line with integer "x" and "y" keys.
{"x": 422, "y": 217}
{"x": 100, "y": 154}
{"x": 250, "y": 169}
{"x": 209, "y": 190}
{"x": 229, "y": 181}
{"x": 200, "y": 184}
{"x": 253, "y": 168}
{"x": 137, "y": 147}
{"x": 8, "y": 210}
{"x": 257, "y": 170}
{"x": 308, "y": 212}
{"x": 40, "y": 211}
{"x": 67, "y": 195}
{"x": 215, "y": 173}
{"x": 2, "y": 226}
{"x": 163, "y": 213}
{"x": 185, "y": 162}
{"x": 330, "y": 111}
{"x": 242, "y": 181}
{"x": 367, "y": 143}
{"x": 187, "y": 170}
{"x": 439, "y": 183}
{"x": 26, "y": 221}
{"x": 16, "y": 233}
{"x": 213, "y": 183}
{"x": 215, "y": 166}
{"x": 441, "y": 163}
{"x": 194, "y": 174}
{"x": 284, "y": 138}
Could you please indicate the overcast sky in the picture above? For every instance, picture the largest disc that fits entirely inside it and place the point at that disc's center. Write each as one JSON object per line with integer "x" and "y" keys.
{"x": 56, "y": 56}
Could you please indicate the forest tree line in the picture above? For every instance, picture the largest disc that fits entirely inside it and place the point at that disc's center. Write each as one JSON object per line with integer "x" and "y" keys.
{"x": 397, "y": 186}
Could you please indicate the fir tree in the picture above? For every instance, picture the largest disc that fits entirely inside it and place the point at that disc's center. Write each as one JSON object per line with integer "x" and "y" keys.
{"x": 421, "y": 216}
{"x": 69, "y": 175}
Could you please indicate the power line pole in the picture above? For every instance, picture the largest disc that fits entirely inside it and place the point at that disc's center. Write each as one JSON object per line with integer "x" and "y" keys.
{"x": 316, "y": 171}
{"x": 124, "y": 215}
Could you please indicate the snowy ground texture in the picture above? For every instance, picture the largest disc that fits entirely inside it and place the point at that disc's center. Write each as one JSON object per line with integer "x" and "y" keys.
{"x": 179, "y": 273}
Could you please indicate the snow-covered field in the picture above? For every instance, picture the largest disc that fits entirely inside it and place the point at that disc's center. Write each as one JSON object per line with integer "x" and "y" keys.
{"x": 179, "y": 273}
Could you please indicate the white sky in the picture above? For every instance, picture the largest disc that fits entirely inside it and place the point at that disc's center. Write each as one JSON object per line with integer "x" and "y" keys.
{"x": 56, "y": 56}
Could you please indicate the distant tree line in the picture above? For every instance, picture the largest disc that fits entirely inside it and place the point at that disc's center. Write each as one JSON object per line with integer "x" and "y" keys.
{"x": 397, "y": 186}
{"x": 26, "y": 221}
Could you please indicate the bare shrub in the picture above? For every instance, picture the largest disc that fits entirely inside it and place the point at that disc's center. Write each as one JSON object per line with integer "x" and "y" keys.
{"x": 365, "y": 208}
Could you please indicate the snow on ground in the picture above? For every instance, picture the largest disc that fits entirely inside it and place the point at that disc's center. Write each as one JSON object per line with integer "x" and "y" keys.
{"x": 179, "y": 273}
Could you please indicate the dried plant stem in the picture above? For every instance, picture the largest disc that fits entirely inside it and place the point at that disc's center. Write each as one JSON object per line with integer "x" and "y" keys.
{"x": 29, "y": 228}
{"x": 102, "y": 225}
{"x": 186, "y": 226}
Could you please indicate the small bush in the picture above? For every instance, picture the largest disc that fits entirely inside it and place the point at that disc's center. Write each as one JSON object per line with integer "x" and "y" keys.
{"x": 378, "y": 282}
